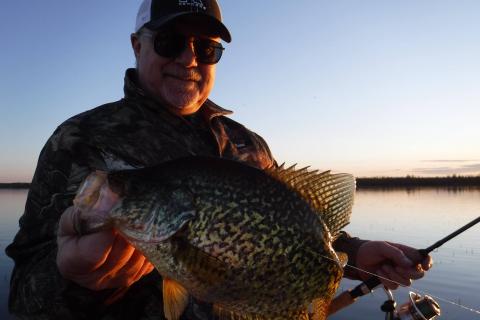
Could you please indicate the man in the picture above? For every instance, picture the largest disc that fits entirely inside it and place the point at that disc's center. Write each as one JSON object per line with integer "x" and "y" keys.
{"x": 165, "y": 114}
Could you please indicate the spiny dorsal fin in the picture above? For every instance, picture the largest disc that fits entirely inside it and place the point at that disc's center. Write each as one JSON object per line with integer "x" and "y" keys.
{"x": 175, "y": 299}
{"x": 331, "y": 195}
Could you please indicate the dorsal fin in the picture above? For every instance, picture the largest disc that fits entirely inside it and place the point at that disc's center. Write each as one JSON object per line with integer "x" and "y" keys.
{"x": 331, "y": 195}
{"x": 175, "y": 299}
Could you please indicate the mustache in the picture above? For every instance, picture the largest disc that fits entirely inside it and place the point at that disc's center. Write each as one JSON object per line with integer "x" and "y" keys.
{"x": 192, "y": 74}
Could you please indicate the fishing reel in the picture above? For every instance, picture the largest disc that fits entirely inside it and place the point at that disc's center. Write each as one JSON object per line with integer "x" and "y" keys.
{"x": 417, "y": 308}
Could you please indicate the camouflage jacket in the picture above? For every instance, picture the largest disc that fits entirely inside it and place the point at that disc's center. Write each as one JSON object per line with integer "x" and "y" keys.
{"x": 133, "y": 132}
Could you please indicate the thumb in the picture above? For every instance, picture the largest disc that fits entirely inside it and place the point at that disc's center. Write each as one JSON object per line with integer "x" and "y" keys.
{"x": 66, "y": 225}
{"x": 74, "y": 224}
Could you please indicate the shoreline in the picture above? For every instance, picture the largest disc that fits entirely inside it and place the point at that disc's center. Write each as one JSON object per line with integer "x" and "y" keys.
{"x": 369, "y": 183}
{"x": 15, "y": 185}
{"x": 453, "y": 182}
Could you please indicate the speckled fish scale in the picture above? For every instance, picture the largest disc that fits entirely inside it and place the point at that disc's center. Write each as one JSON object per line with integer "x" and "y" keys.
{"x": 251, "y": 242}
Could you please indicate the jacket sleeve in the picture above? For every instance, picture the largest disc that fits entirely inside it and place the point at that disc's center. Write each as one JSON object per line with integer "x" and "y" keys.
{"x": 349, "y": 245}
{"x": 37, "y": 289}
{"x": 36, "y": 285}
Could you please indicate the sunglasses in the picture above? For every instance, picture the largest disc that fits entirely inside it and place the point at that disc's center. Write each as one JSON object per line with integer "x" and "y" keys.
{"x": 171, "y": 45}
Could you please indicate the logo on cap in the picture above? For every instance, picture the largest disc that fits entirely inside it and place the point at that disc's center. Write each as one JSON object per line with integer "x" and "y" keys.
{"x": 198, "y": 4}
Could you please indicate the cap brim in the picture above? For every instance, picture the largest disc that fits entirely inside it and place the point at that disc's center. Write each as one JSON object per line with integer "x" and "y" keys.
{"x": 216, "y": 26}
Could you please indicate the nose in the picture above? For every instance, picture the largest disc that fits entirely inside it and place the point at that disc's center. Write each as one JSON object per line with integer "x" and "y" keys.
{"x": 188, "y": 57}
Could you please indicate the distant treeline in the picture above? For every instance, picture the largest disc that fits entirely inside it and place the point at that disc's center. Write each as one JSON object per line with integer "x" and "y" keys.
{"x": 15, "y": 185}
{"x": 414, "y": 182}
{"x": 376, "y": 182}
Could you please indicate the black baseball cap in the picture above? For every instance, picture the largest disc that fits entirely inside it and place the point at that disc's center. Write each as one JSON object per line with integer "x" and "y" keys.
{"x": 154, "y": 14}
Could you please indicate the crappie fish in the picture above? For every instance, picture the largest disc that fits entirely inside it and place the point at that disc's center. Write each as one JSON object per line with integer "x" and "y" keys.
{"x": 255, "y": 243}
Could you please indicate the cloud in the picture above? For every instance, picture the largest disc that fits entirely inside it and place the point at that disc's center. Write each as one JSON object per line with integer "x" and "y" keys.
{"x": 473, "y": 168}
{"x": 445, "y": 160}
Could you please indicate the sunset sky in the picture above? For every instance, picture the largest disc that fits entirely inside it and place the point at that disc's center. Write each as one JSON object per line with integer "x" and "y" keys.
{"x": 373, "y": 88}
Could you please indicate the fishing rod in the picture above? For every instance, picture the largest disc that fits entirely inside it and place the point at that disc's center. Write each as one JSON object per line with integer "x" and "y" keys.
{"x": 421, "y": 305}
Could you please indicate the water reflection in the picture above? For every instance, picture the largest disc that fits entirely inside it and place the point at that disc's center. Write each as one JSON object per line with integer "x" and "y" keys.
{"x": 420, "y": 217}
{"x": 417, "y": 217}
{"x": 12, "y": 203}
{"x": 448, "y": 189}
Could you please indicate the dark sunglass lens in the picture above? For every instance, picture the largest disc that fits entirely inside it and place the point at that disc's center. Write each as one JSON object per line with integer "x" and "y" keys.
{"x": 169, "y": 45}
{"x": 208, "y": 51}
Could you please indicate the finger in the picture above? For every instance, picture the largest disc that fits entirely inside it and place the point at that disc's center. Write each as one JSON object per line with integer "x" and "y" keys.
{"x": 82, "y": 255}
{"x": 427, "y": 263}
{"x": 395, "y": 255}
{"x": 121, "y": 252}
{"x": 146, "y": 268}
{"x": 75, "y": 223}
{"x": 66, "y": 223}
{"x": 150, "y": 268}
{"x": 412, "y": 253}
{"x": 133, "y": 266}
{"x": 389, "y": 284}
{"x": 394, "y": 276}
{"x": 126, "y": 275}
{"x": 412, "y": 273}
{"x": 105, "y": 262}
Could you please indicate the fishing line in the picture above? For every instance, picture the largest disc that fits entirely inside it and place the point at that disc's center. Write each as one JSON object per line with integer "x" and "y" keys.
{"x": 421, "y": 291}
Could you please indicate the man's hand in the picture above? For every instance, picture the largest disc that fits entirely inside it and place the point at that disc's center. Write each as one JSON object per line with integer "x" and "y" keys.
{"x": 393, "y": 261}
{"x": 99, "y": 260}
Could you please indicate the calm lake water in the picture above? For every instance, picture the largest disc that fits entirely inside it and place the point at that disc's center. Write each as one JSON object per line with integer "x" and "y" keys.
{"x": 418, "y": 218}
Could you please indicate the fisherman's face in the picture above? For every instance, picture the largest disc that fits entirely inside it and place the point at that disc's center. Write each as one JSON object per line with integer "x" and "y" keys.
{"x": 180, "y": 83}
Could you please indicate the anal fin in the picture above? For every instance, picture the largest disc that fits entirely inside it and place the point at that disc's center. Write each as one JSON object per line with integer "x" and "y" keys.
{"x": 319, "y": 309}
{"x": 175, "y": 299}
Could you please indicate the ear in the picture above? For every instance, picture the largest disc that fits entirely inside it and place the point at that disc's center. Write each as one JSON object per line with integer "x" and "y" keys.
{"x": 136, "y": 44}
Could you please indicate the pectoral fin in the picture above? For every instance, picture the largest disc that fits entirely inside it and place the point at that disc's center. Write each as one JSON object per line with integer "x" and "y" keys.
{"x": 175, "y": 299}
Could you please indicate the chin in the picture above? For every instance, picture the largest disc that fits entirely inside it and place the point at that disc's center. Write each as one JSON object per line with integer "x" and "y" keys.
{"x": 182, "y": 103}
{"x": 186, "y": 110}
{"x": 183, "y": 107}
